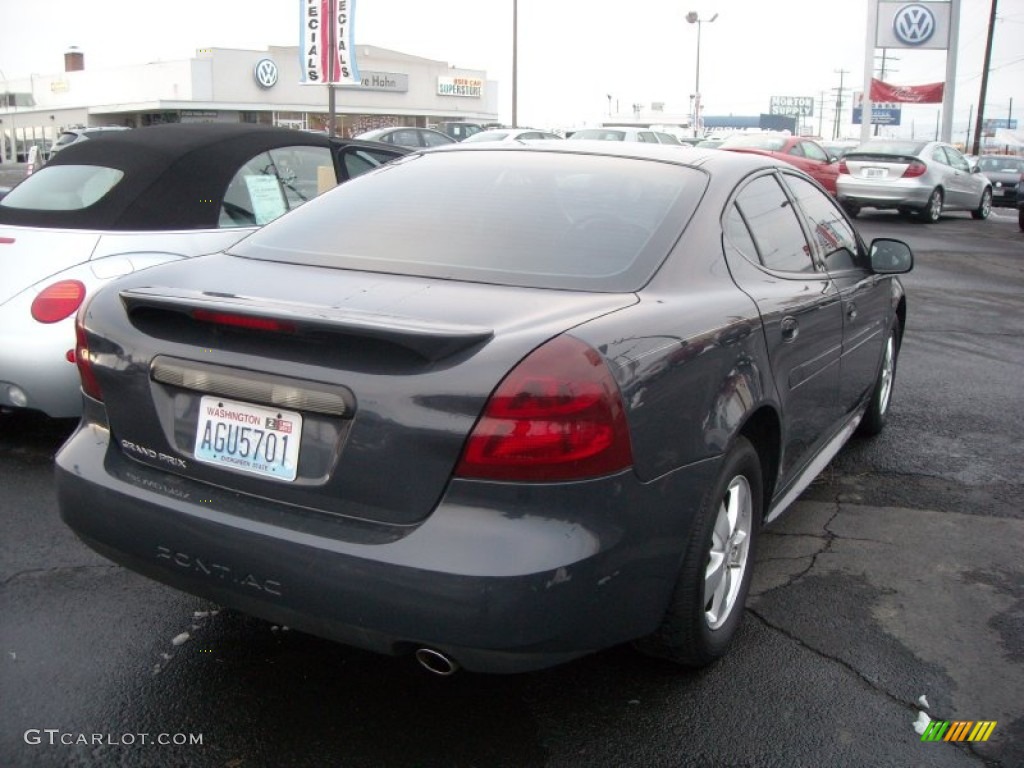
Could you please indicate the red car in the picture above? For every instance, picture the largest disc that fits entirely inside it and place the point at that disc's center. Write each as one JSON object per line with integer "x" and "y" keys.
{"x": 807, "y": 155}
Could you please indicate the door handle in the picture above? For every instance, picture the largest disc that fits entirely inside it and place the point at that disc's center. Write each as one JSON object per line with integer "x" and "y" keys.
{"x": 790, "y": 329}
{"x": 851, "y": 311}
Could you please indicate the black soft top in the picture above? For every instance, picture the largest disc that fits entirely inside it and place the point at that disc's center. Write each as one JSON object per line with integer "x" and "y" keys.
{"x": 175, "y": 176}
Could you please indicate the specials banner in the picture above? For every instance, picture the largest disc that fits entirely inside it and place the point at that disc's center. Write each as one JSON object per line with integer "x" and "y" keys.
{"x": 317, "y": 64}
{"x": 907, "y": 94}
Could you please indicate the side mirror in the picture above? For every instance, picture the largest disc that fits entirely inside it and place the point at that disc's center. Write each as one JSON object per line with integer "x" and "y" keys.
{"x": 890, "y": 257}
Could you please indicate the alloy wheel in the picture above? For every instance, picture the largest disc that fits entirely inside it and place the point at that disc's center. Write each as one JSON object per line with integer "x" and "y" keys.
{"x": 730, "y": 548}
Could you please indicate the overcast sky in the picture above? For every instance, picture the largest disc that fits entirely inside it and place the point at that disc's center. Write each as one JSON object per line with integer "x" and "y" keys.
{"x": 572, "y": 53}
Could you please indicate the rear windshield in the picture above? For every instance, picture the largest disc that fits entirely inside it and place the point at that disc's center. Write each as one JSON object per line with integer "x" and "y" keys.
{"x": 63, "y": 188}
{"x": 889, "y": 148}
{"x": 755, "y": 141}
{"x": 535, "y": 219}
{"x": 600, "y": 134}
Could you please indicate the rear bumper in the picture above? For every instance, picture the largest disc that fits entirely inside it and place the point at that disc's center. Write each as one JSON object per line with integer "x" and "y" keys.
{"x": 890, "y": 194}
{"x": 501, "y": 577}
{"x": 34, "y": 372}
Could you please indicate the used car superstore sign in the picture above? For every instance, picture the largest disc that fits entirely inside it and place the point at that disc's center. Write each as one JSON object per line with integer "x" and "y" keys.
{"x": 460, "y": 86}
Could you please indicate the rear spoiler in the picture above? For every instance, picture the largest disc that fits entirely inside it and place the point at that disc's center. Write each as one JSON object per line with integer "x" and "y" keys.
{"x": 429, "y": 339}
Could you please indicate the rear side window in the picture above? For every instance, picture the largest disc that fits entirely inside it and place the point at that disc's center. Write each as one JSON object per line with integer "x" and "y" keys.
{"x": 502, "y": 217}
{"x": 63, "y": 188}
{"x": 275, "y": 182}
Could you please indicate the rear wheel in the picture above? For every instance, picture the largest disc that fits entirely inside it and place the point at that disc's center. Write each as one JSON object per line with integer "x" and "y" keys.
{"x": 878, "y": 409}
{"x": 852, "y": 209}
{"x": 1020, "y": 219}
{"x": 984, "y": 207}
{"x": 933, "y": 209}
{"x": 707, "y": 605}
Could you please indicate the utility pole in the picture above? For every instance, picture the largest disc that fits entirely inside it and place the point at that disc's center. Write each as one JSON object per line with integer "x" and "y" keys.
{"x": 976, "y": 150}
{"x": 881, "y": 76}
{"x": 839, "y": 102}
{"x": 967, "y": 141}
{"x": 821, "y": 113}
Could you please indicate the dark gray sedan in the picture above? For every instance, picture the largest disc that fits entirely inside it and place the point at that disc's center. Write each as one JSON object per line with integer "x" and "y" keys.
{"x": 495, "y": 406}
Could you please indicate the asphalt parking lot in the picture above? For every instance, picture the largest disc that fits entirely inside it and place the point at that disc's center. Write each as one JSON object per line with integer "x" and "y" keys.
{"x": 895, "y": 586}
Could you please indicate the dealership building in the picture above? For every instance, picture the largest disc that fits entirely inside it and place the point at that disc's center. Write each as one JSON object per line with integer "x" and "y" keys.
{"x": 228, "y": 85}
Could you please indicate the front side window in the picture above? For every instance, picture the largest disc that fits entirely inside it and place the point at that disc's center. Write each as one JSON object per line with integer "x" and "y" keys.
{"x": 63, "y": 188}
{"x": 813, "y": 151}
{"x": 774, "y": 226}
{"x": 833, "y": 234}
{"x": 275, "y": 182}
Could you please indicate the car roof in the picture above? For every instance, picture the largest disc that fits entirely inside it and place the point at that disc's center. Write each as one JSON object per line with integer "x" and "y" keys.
{"x": 175, "y": 175}
{"x": 727, "y": 167}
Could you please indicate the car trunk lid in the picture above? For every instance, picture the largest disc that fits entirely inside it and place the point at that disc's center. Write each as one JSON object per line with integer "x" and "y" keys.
{"x": 370, "y": 383}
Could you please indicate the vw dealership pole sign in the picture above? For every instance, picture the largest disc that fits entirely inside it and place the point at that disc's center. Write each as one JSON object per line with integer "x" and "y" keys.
{"x": 327, "y": 58}
{"x": 922, "y": 25}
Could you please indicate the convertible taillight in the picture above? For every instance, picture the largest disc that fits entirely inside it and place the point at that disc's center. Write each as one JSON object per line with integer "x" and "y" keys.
{"x": 557, "y": 415}
{"x": 83, "y": 359}
{"x": 916, "y": 168}
{"x": 58, "y": 301}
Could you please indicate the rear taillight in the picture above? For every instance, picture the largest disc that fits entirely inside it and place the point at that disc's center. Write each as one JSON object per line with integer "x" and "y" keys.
{"x": 83, "y": 359}
{"x": 843, "y": 167}
{"x": 916, "y": 168}
{"x": 58, "y": 301}
{"x": 557, "y": 415}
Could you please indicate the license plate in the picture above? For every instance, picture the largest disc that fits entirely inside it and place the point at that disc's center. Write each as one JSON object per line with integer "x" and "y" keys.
{"x": 876, "y": 173}
{"x": 250, "y": 438}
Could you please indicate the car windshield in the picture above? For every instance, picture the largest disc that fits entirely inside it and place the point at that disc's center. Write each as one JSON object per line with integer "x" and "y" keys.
{"x": 600, "y": 134}
{"x": 63, "y": 188}
{"x": 754, "y": 141}
{"x": 1001, "y": 165}
{"x": 594, "y": 223}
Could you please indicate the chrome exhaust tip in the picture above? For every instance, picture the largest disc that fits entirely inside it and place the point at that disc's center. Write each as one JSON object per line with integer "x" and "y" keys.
{"x": 436, "y": 662}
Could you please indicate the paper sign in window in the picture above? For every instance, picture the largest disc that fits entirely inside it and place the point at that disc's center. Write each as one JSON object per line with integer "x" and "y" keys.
{"x": 267, "y": 201}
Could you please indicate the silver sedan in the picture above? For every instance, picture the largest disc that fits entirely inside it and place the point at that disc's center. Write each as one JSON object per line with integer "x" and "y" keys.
{"x": 914, "y": 177}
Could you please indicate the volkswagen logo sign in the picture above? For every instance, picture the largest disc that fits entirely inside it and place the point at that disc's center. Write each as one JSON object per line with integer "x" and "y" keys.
{"x": 265, "y": 73}
{"x": 913, "y": 25}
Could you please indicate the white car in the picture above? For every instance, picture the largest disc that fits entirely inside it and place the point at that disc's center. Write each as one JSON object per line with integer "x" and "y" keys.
{"x": 510, "y": 134}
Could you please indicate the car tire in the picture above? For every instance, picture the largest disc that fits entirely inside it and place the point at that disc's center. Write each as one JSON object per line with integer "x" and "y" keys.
{"x": 852, "y": 209}
{"x": 984, "y": 207}
{"x": 698, "y": 627}
{"x": 932, "y": 210}
{"x": 881, "y": 396}
{"x": 1020, "y": 219}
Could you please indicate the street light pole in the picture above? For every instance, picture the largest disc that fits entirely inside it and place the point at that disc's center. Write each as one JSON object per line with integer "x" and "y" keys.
{"x": 515, "y": 63}
{"x": 693, "y": 18}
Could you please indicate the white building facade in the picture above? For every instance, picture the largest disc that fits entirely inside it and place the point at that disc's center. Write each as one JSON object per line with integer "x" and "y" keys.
{"x": 229, "y": 85}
